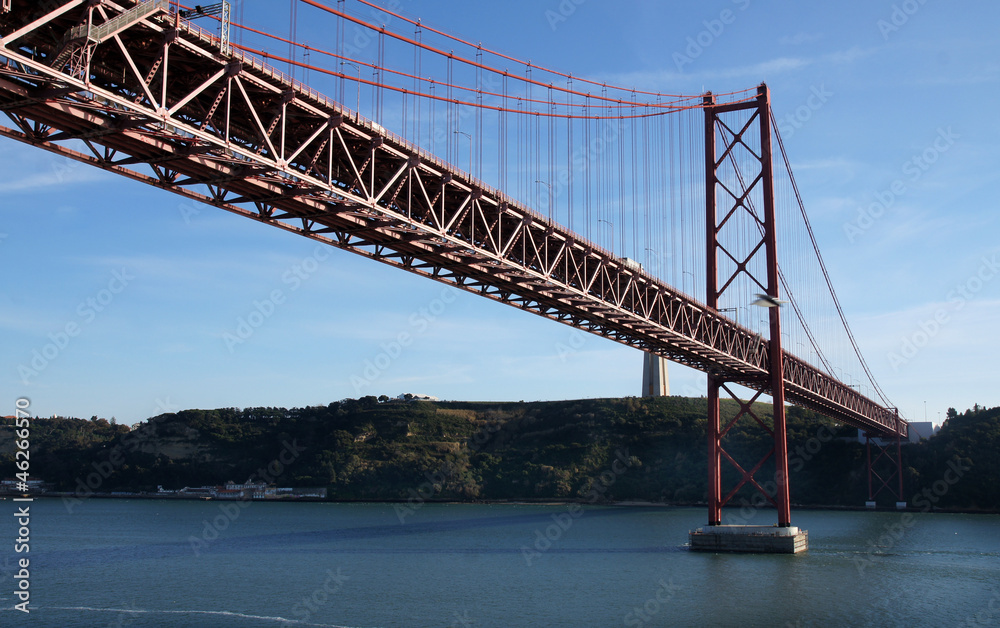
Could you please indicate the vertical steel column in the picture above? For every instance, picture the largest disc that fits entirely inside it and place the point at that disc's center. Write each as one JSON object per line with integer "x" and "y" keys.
{"x": 899, "y": 459}
{"x": 775, "y": 360}
{"x": 712, "y": 300}
{"x": 868, "y": 457}
{"x": 760, "y": 110}
{"x": 714, "y": 458}
{"x": 224, "y": 32}
{"x": 888, "y": 468}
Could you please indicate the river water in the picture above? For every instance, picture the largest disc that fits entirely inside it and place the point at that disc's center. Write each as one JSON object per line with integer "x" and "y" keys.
{"x": 184, "y": 563}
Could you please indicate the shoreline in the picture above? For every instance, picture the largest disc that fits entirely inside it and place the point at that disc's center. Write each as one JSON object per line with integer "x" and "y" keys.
{"x": 488, "y": 502}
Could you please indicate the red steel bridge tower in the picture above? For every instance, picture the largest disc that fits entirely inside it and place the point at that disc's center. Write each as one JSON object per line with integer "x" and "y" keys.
{"x": 739, "y": 189}
{"x": 134, "y": 88}
{"x": 742, "y": 188}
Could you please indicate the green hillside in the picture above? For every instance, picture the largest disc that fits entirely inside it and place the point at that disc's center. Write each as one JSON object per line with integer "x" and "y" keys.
{"x": 594, "y": 450}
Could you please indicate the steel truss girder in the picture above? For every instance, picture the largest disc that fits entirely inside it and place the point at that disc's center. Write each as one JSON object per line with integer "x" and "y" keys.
{"x": 231, "y": 124}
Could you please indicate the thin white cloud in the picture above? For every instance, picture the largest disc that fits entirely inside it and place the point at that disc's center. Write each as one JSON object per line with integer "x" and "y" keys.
{"x": 913, "y": 340}
{"x": 197, "y": 269}
{"x": 827, "y": 164}
{"x": 661, "y": 78}
{"x": 753, "y": 73}
{"x": 774, "y": 66}
{"x": 984, "y": 76}
{"x": 30, "y": 323}
{"x": 179, "y": 348}
{"x": 842, "y": 57}
{"x": 42, "y": 181}
{"x": 800, "y": 38}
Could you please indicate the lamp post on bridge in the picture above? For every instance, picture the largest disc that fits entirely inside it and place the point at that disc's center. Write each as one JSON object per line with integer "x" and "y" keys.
{"x": 552, "y": 219}
{"x": 656, "y": 256}
{"x": 470, "y": 147}
{"x": 612, "y": 225}
{"x": 357, "y": 112}
{"x": 731, "y": 309}
{"x": 693, "y": 280}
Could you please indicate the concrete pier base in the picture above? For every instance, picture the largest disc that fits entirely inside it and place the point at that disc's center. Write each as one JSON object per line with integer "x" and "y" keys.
{"x": 750, "y": 539}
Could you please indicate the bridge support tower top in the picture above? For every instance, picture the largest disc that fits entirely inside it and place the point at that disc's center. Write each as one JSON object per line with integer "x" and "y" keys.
{"x": 735, "y": 196}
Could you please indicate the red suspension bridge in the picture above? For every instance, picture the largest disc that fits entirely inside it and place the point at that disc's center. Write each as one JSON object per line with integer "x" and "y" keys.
{"x": 531, "y": 187}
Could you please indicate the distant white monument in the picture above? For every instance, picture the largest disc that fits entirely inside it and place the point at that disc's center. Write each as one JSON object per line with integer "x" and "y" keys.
{"x": 655, "y": 381}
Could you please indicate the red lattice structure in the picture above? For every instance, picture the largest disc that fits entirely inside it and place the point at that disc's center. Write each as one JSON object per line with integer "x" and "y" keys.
{"x": 132, "y": 88}
{"x": 885, "y": 471}
{"x": 742, "y": 188}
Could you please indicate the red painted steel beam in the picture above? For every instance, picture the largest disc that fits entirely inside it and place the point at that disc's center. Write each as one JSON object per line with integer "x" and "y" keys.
{"x": 265, "y": 148}
{"x": 773, "y": 284}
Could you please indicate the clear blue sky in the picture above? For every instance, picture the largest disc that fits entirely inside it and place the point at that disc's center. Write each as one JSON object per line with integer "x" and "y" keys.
{"x": 890, "y": 89}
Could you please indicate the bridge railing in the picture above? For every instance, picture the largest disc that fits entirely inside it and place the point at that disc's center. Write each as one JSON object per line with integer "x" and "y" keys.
{"x": 697, "y": 322}
{"x": 271, "y": 71}
{"x": 812, "y": 386}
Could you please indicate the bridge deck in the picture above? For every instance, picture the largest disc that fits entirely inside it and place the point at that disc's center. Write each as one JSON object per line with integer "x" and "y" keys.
{"x": 158, "y": 102}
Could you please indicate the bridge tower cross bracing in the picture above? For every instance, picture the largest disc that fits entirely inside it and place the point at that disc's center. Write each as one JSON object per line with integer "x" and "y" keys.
{"x": 886, "y": 469}
{"x": 231, "y": 131}
{"x": 722, "y": 194}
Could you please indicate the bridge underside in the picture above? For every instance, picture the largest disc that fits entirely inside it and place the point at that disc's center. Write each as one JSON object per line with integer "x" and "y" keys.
{"x": 155, "y": 99}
